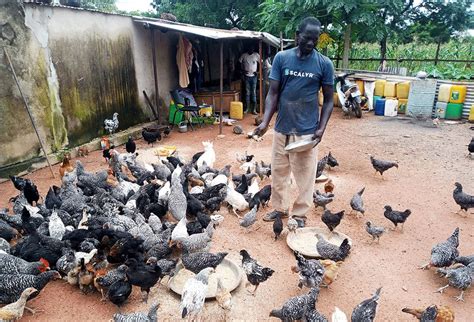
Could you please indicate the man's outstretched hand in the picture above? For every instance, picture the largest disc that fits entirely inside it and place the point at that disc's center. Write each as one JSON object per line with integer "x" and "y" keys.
{"x": 260, "y": 130}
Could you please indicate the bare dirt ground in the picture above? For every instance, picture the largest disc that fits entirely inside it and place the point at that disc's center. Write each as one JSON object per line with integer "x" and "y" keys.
{"x": 431, "y": 160}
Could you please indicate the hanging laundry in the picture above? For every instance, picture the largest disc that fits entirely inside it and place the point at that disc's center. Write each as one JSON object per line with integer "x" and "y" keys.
{"x": 182, "y": 57}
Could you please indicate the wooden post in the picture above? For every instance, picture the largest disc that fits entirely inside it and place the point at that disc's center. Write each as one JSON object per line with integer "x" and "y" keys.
{"x": 281, "y": 41}
{"x": 155, "y": 74}
{"x": 29, "y": 112}
{"x": 221, "y": 84}
{"x": 260, "y": 53}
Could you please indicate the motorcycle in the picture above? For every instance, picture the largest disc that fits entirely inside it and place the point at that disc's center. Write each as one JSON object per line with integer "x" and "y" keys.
{"x": 349, "y": 95}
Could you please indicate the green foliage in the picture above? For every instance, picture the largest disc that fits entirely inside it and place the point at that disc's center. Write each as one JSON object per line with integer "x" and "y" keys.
{"x": 102, "y": 5}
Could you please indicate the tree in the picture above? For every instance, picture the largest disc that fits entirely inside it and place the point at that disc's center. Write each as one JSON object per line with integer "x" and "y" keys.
{"x": 212, "y": 13}
{"x": 102, "y": 5}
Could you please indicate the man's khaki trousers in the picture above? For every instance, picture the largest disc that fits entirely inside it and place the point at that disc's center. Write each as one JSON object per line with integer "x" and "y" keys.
{"x": 302, "y": 165}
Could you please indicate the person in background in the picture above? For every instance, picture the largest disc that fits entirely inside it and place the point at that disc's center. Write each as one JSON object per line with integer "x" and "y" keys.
{"x": 383, "y": 68}
{"x": 249, "y": 63}
{"x": 295, "y": 79}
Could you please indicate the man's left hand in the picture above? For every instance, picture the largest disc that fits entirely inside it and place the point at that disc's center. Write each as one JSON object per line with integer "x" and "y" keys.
{"x": 317, "y": 137}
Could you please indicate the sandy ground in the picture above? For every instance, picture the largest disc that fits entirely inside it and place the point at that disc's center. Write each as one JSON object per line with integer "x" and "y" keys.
{"x": 431, "y": 160}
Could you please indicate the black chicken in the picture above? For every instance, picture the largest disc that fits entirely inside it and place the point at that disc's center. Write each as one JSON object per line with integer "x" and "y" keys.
{"x": 262, "y": 197}
{"x": 470, "y": 147}
{"x": 243, "y": 186}
{"x": 119, "y": 292}
{"x": 332, "y": 162}
{"x": 366, "y": 310}
{"x": 31, "y": 192}
{"x": 256, "y": 273}
{"x": 106, "y": 153}
{"x": 143, "y": 276}
{"x": 396, "y": 217}
{"x": 53, "y": 200}
{"x": 196, "y": 157}
{"x": 175, "y": 161}
{"x": 18, "y": 182}
{"x": 7, "y": 232}
{"x": 464, "y": 200}
{"x": 130, "y": 146}
{"x": 194, "y": 227}
{"x": 332, "y": 220}
{"x": 277, "y": 226}
{"x": 381, "y": 166}
{"x": 151, "y": 137}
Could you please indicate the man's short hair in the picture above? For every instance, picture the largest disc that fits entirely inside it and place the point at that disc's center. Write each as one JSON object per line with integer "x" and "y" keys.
{"x": 308, "y": 21}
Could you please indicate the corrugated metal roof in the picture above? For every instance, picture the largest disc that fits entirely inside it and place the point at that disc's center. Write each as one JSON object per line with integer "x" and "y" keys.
{"x": 212, "y": 33}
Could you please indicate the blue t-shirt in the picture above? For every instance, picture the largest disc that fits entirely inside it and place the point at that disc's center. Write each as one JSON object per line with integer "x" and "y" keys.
{"x": 300, "y": 81}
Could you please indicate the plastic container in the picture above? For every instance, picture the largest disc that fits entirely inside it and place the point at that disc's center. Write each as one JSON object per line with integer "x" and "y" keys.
{"x": 379, "y": 87}
{"x": 471, "y": 114}
{"x": 391, "y": 107}
{"x": 402, "y": 105}
{"x": 454, "y": 111}
{"x": 403, "y": 89}
{"x": 236, "y": 110}
{"x": 360, "y": 84}
{"x": 390, "y": 89}
{"x": 380, "y": 107}
{"x": 441, "y": 109}
{"x": 458, "y": 94}
{"x": 444, "y": 93}
{"x": 179, "y": 114}
{"x": 205, "y": 110}
{"x": 336, "y": 99}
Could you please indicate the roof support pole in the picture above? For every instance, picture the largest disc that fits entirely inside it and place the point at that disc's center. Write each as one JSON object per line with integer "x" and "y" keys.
{"x": 221, "y": 84}
{"x": 155, "y": 74}
{"x": 260, "y": 53}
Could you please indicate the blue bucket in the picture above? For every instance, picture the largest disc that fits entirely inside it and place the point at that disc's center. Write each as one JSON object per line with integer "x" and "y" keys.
{"x": 380, "y": 107}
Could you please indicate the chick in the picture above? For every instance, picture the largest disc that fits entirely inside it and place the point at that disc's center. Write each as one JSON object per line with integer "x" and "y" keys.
{"x": 277, "y": 226}
{"x": 366, "y": 310}
{"x": 14, "y": 311}
{"x": 396, "y": 217}
{"x": 292, "y": 225}
{"x": 357, "y": 204}
{"x": 332, "y": 220}
{"x": 194, "y": 294}
{"x": 432, "y": 313}
{"x": 329, "y": 186}
{"x": 331, "y": 270}
{"x": 223, "y": 297}
{"x": 374, "y": 231}
{"x": 256, "y": 273}
{"x": 381, "y": 166}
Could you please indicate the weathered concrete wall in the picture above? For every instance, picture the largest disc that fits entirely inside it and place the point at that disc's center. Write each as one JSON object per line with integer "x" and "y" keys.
{"x": 76, "y": 68}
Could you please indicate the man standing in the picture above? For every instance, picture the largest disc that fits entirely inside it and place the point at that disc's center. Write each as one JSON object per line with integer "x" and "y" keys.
{"x": 297, "y": 75}
{"x": 249, "y": 62}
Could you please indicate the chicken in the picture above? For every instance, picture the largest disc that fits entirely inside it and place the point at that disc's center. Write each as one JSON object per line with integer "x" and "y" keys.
{"x": 357, "y": 204}
{"x": 458, "y": 277}
{"x": 196, "y": 262}
{"x": 465, "y": 260}
{"x": 332, "y": 220}
{"x": 366, "y": 310}
{"x": 310, "y": 271}
{"x": 65, "y": 166}
{"x": 143, "y": 276}
{"x": 11, "y": 286}
{"x": 470, "y": 147}
{"x": 320, "y": 167}
{"x": 194, "y": 294}
{"x": 14, "y": 311}
{"x": 235, "y": 199}
{"x": 52, "y": 199}
{"x": 223, "y": 297}
{"x": 151, "y": 316}
{"x": 262, "y": 171}
{"x": 7, "y": 232}
{"x": 10, "y": 264}
{"x": 180, "y": 231}
{"x": 18, "y": 182}
{"x": 119, "y": 292}
{"x": 4, "y": 246}
{"x": 167, "y": 266}
{"x": 104, "y": 282}
{"x": 262, "y": 197}
{"x": 314, "y": 316}
{"x": 329, "y": 186}
{"x": 31, "y": 192}
{"x": 56, "y": 226}
{"x": 330, "y": 251}
{"x": 297, "y": 307}
{"x": 130, "y": 146}
{"x": 396, "y": 217}
{"x": 244, "y": 158}
{"x": 464, "y": 200}
{"x": 85, "y": 277}
{"x": 277, "y": 226}
{"x": 151, "y": 137}
{"x": 111, "y": 125}
{"x": 197, "y": 242}
{"x": 374, "y": 231}
{"x": 338, "y": 315}
{"x": 243, "y": 186}
{"x": 177, "y": 202}
{"x": 209, "y": 155}
{"x": 432, "y": 313}
{"x": 292, "y": 225}
{"x": 322, "y": 199}
{"x": 256, "y": 274}
{"x": 381, "y": 166}
{"x": 249, "y": 218}
{"x": 332, "y": 162}
{"x": 443, "y": 254}
{"x": 331, "y": 270}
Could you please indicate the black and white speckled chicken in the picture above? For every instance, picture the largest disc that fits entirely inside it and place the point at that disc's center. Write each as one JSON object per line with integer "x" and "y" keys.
{"x": 332, "y": 162}
{"x": 443, "y": 254}
{"x": 332, "y": 220}
{"x": 10, "y": 264}
{"x": 11, "y": 286}
{"x": 195, "y": 262}
{"x": 315, "y": 316}
{"x": 150, "y": 316}
{"x": 89, "y": 180}
{"x": 111, "y": 125}
{"x": 321, "y": 165}
{"x": 194, "y": 294}
{"x": 330, "y": 251}
{"x": 465, "y": 260}
{"x": 396, "y": 217}
{"x": 297, "y": 307}
{"x": 256, "y": 274}
{"x": 375, "y": 231}
{"x": 357, "y": 203}
{"x": 366, "y": 310}
{"x": 381, "y": 166}
{"x": 458, "y": 277}
{"x": 464, "y": 200}
{"x": 310, "y": 271}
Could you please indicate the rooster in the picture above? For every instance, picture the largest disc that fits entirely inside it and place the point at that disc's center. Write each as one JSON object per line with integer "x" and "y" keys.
{"x": 111, "y": 125}
{"x": 66, "y": 166}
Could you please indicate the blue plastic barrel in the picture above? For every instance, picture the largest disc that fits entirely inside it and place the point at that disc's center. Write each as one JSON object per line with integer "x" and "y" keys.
{"x": 380, "y": 107}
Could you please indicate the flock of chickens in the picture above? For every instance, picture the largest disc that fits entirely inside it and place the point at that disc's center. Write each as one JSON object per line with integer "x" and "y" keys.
{"x": 134, "y": 223}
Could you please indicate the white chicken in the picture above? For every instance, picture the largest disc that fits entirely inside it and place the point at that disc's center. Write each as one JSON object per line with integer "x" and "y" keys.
{"x": 235, "y": 199}
{"x": 253, "y": 188}
{"x": 56, "y": 226}
{"x": 83, "y": 223}
{"x": 111, "y": 125}
{"x": 180, "y": 231}
{"x": 338, "y": 315}
{"x": 221, "y": 178}
{"x": 209, "y": 155}
{"x": 164, "y": 193}
{"x": 194, "y": 294}
{"x": 196, "y": 190}
{"x": 248, "y": 166}
{"x": 87, "y": 256}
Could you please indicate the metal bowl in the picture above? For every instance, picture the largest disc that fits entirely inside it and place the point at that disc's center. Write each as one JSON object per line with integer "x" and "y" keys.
{"x": 183, "y": 128}
{"x": 304, "y": 240}
{"x": 300, "y": 145}
{"x": 229, "y": 273}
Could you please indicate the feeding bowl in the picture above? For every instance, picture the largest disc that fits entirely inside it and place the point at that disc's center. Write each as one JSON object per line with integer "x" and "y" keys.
{"x": 304, "y": 240}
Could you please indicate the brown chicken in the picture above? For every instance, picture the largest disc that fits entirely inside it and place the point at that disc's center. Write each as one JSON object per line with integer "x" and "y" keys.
{"x": 331, "y": 270}
{"x": 329, "y": 187}
{"x": 85, "y": 277}
{"x": 66, "y": 166}
{"x": 111, "y": 179}
{"x": 14, "y": 311}
{"x": 432, "y": 313}
{"x": 223, "y": 297}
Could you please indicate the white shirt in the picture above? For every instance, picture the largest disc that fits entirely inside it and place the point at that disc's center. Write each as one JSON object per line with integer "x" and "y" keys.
{"x": 249, "y": 63}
